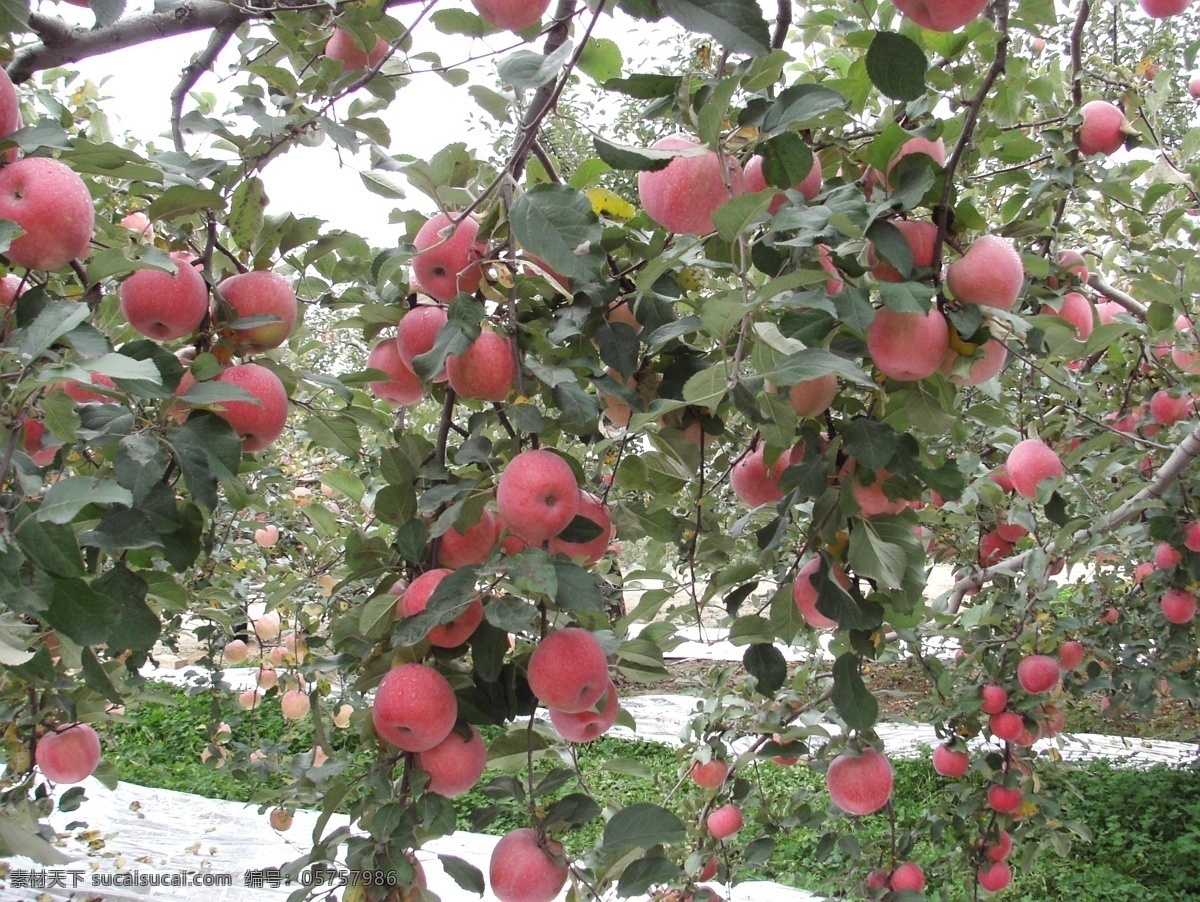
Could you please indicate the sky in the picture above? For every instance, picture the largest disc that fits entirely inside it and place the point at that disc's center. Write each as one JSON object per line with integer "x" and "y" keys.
{"x": 426, "y": 116}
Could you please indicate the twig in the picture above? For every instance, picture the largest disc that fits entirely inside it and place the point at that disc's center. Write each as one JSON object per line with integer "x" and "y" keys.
{"x": 200, "y": 64}
{"x": 1130, "y": 303}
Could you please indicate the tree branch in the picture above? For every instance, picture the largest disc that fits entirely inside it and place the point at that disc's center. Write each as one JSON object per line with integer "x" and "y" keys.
{"x": 1181, "y": 458}
{"x": 200, "y": 64}
{"x": 783, "y": 21}
{"x": 1130, "y": 303}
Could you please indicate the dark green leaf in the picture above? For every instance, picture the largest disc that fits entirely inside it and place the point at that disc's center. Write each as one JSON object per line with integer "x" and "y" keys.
{"x": 578, "y": 589}
{"x": 897, "y": 66}
{"x": 573, "y": 810}
{"x": 645, "y": 826}
{"x": 737, "y": 24}
{"x": 644, "y": 86}
{"x": 79, "y": 613}
{"x": 465, "y": 874}
{"x": 872, "y": 443}
{"x": 800, "y": 105}
{"x": 767, "y": 665}
{"x": 96, "y": 678}
{"x": 557, "y": 224}
{"x": 644, "y": 873}
{"x": 137, "y": 627}
{"x": 69, "y": 496}
{"x": 854, "y": 703}
{"x": 525, "y": 69}
{"x": 51, "y": 547}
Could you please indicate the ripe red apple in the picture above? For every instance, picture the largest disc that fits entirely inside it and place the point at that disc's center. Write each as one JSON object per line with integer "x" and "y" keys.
{"x": 1179, "y": 606}
{"x": 1038, "y": 44}
{"x": 1070, "y": 655}
{"x": 1038, "y": 673}
{"x": 834, "y": 284}
{"x": 82, "y": 395}
{"x": 1168, "y": 410}
{"x": 512, "y": 15}
{"x": 1007, "y": 725}
{"x": 260, "y": 293}
{"x": 522, "y": 869}
{"x": 447, "y": 259}
{"x": 724, "y": 822}
{"x": 995, "y": 699}
{"x": 537, "y": 495}
{"x": 1078, "y": 311}
{"x": 942, "y": 15}
{"x": 417, "y": 332}
{"x": 754, "y": 482}
{"x": 871, "y": 498}
{"x": 589, "y": 724}
{"x": 1104, "y": 128}
{"x": 10, "y": 113}
{"x": 995, "y": 876}
{"x": 414, "y": 707}
{"x": 343, "y": 47}
{"x": 591, "y": 551}
{"x": 804, "y": 592}
{"x": 472, "y": 546}
{"x": 983, "y": 368}
{"x": 403, "y": 387}
{"x": 568, "y": 670}
{"x": 52, "y": 206}
{"x": 860, "y": 784}
{"x": 908, "y": 876}
{"x": 756, "y": 180}
{"x": 993, "y": 548}
{"x": 1161, "y": 9}
{"x": 1194, "y": 86}
{"x": 1030, "y": 462}
{"x": 951, "y": 762}
{"x": 1192, "y": 536}
{"x": 294, "y": 704}
{"x": 812, "y": 397}
{"x": 486, "y": 371}
{"x": 259, "y": 424}
{"x": 266, "y": 537}
{"x": 989, "y": 273}
{"x": 1075, "y": 264}
{"x": 165, "y": 306}
{"x": 1003, "y": 799}
{"x": 1001, "y": 848}
{"x": 68, "y": 754}
{"x": 138, "y": 223}
{"x": 236, "y": 651}
{"x": 455, "y": 764}
{"x": 683, "y": 196}
{"x": 446, "y": 635}
{"x": 710, "y": 774}
{"x": 921, "y": 237}
{"x": 1166, "y": 556}
{"x": 908, "y": 346}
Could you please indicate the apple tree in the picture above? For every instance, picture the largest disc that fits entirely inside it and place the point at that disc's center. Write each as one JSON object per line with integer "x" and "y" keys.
{"x": 844, "y": 295}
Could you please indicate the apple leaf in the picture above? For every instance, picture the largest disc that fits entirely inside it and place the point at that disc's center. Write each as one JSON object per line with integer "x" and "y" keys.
{"x": 857, "y": 706}
{"x": 645, "y": 873}
{"x": 897, "y": 66}
{"x": 525, "y": 70}
{"x": 645, "y": 826}
{"x": 801, "y": 104}
{"x": 69, "y": 496}
{"x": 601, "y": 59}
{"x": 558, "y": 225}
{"x": 644, "y": 85}
{"x": 767, "y": 665}
{"x": 737, "y": 24}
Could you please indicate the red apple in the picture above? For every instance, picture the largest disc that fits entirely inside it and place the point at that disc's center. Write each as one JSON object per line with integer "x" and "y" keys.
{"x": 10, "y": 113}
{"x": 568, "y": 670}
{"x": 1070, "y": 655}
{"x": 995, "y": 876}
{"x": 403, "y": 387}
{"x": 1179, "y": 606}
{"x": 908, "y": 876}
{"x": 447, "y": 259}
{"x": 266, "y": 537}
{"x": 995, "y": 699}
{"x": 1194, "y": 86}
{"x": 486, "y": 371}
{"x": 755, "y": 180}
{"x": 455, "y": 764}
{"x": 724, "y": 822}
{"x": 710, "y": 774}
{"x": 343, "y": 47}
{"x": 1162, "y": 9}
{"x": 522, "y": 869}
{"x": 236, "y": 651}
{"x": 139, "y": 223}
{"x": 993, "y": 548}
{"x": 1166, "y": 556}
{"x": 942, "y": 15}
{"x": 260, "y": 293}
{"x": 1030, "y": 462}
{"x": 472, "y": 546}
{"x": 1104, "y": 128}
{"x": 259, "y": 424}
{"x": 951, "y": 762}
{"x": 417, "y": 332}
{"x": 1007, "y": 725}
{"x": 804, "y": 592}
{"x": 1168, "y": 410}
{"x": 989, "y": 273}
{"x": 52, "y": 206}
{"x": 1003, "y": 799}
{"x": 165, "y": 306}
{"x": 860, "y": 784}
{"x": 908, "y": 346}
{"x": 414, "y": 707}
{"x": 920, "y": 236}
{"x": 1038, "y": 673}
{"x": 981, "y": 368}
{"x": 294, "y": 704}
{"x": 68, "y": 754}
{"x": 1001, "y": 848}
{"x": 537, "y": 495}
{"x": 754, "y": 482}
{"x": 683, "y": 196}
{"x": 1078, "y": 311}
{"x": 812, "y": 397}
{"x": 81, "y": 395}
{"x": 589, "y": 724}
{"x": 589, "y": 552}
{"x": 871, "y": 498}
{"x": 446, "y": 635}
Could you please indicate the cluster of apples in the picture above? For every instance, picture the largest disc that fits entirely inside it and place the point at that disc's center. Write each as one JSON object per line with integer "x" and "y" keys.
{"x": 1178, "y": 605}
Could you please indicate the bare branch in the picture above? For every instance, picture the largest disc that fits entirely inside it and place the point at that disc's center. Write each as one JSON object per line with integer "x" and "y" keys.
{"x": 783, "y": 21}
{"x": 1181, "y": 458}
{"x": 1130, "y": 303}
{"x": 200, "y": 64}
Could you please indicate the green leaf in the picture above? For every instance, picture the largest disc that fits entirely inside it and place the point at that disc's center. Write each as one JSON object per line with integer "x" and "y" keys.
{"x": 21, "y": 840}
{"x": 465, "y": 874}
{"x": 767, "y": 665}
{"x": 576, "y": 404}
{"x": 645, "y": 86}
{"x": 119, "y": 366}
{"x": 525, "y": 70}
{"x": 639, "y": 159}
{"x": 245, "y": 218}
{"x": 578, "y": 588}
{"x": 182, "y": 200}
{"x": 707, "y": 387}
{"x": 812, "y": 363}
{"x": 854, "y": 703}
{"x": 557, "y": 224}
{"x": 786, "y": 160}
{"x": 459, "y": 21}
{"x": 336, "y": 433}
{"x": 69, "y": 496}
{"x": 80, "y": 613}
{"x": 108, "y": 12}
{"x": 880, "y": 548}
{"x": 53, "y": 321}
{"x": 737, "y": 24}
{"x": 644, "y": 873}
{"x": 907, "y": 297}
{"x": 509, "y": 613}
{"x": 208, "y": 452}
{"x": 870, "y": 442}
{"x": 573, "y": 810}
{"x": 51, "y": 547}
{"x": 498, "y": 106}
{"x": 14, "y": 17}
{"x": 600, "y": 59}
{"x": 897, "y": 66}
{"x": 801, "y": 104}
{"x": 96, "y": 678}
{"x": 890, "y": 244}
{"x": 377, "y": 615}
{"x": 645, "y": 826}
{"x": 137, "y": 627}
{"x": 736, "y": 215}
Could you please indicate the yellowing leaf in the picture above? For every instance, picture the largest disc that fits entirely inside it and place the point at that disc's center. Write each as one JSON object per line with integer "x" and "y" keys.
{"x": 605, "y": 203}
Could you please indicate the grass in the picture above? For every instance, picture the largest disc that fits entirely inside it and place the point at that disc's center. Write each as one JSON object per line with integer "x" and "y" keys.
{"x": 1143, "y": 822}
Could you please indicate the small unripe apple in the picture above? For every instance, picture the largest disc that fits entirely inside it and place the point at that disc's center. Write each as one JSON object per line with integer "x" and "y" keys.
{"x": 1030, "y": 462}
{"x": 294, "y": 704}
{"x": 724, "y": 822}
{"x": 68, "y": 754}
{"x": 52, "y": 206}
{"x": 710, "y": 774}
{"x": 860, "y": 784}
{"x": 951, "y": 762}
{"x": 1038, "y": 673}
{"x": 683, "y": 196}
{"x": 163, "y": 305}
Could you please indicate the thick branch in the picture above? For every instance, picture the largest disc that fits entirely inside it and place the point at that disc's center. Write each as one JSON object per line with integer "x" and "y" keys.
{"x": 1181, "y": 458}
{"x": 1130, "y": 303}
{"x": 547, "y": 94}
{"x": 61, "y": 44}
{"x": 783, "y": 21}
